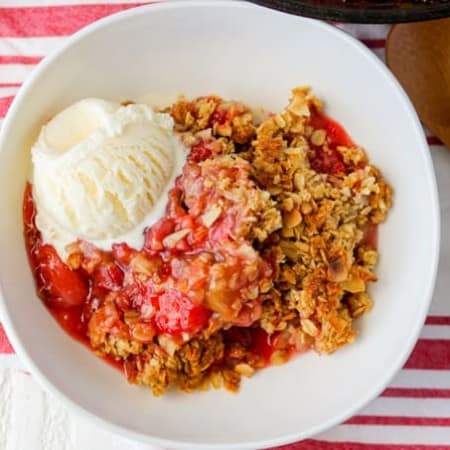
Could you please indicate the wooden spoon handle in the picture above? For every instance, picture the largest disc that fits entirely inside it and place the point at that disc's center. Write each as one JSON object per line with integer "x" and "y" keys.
{"x": 419, "y": 56}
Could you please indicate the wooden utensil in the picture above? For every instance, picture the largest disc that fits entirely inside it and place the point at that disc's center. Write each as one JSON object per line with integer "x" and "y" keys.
{"x": 419, "y": 56}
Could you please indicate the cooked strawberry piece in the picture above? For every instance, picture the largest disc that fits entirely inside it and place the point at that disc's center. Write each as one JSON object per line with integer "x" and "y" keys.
{"x": 64, "y": 286}
{"x": 223, "y": 229}
{"x": 177, "y": 314}
{"x": 156, "y": 234}
{"x": 109, "y": 276}
{"x": 199, "y": 152}
{"x": 123, "y": 253}
{"x": 327, "y": 161}
{"x": 138, "y": 293}
{"x": 220, "y": 116}
{"x": 336, "y": 134}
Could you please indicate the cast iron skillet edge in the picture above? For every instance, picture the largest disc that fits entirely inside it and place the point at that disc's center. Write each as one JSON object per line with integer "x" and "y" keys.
{"x": 414, "y": 12}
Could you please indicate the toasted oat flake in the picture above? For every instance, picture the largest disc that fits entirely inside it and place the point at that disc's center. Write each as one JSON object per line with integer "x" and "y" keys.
{"x": 211, "y": 215}
{"x": 173, "y": 238}
{"x": 318, "y": 137}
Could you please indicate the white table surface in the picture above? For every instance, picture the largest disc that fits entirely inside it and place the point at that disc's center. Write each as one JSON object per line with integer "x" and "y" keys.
{"x": 31, "y": 419}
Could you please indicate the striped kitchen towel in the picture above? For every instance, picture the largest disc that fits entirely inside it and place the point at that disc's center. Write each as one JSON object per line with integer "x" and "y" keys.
{"x": 413, "y": 413}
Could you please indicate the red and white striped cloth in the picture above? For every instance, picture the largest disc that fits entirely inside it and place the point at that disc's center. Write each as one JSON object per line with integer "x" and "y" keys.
{"x": 413, "y": 413}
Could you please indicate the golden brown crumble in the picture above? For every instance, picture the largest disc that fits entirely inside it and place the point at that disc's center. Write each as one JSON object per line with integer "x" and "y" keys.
{"x": 314, "y": 226}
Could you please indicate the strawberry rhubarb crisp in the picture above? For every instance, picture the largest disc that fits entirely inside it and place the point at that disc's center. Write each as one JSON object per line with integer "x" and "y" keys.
{"x": 265, "y": 249}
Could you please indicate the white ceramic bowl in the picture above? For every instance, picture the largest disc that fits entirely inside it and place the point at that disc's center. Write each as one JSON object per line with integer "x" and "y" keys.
{"x": 256, "y": 55}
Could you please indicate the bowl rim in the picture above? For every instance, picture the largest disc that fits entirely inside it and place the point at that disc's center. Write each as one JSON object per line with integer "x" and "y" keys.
{"x": 429, "y": 281}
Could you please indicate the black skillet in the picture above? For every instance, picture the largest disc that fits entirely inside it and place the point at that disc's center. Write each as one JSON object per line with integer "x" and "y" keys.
{"x": 363, "y": 11}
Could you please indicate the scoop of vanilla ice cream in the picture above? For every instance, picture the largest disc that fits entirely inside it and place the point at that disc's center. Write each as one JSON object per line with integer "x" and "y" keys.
{"x": 101, "y": 172}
